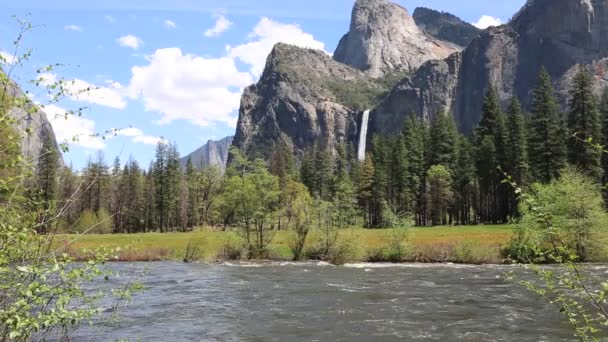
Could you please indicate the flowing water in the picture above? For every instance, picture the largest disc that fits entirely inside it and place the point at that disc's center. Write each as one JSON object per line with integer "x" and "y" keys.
{"x": 319, "y": 302}
{"x": 363, "y": 136}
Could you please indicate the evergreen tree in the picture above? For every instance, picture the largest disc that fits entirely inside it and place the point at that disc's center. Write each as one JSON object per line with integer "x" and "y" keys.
{"x": 47, "y": 181}
{"x": 547, "y": 147}
{"x": 516, "y": 164}
{"x": 307, "y": 170}
{"x": 443, "y": 141}
{"x": 323, "y": 175}
{"x": 366, "y": 188}
{"x": 490, "y": 139}
{"x": 413, "y": 140}
{"x": 486, "y": 173}
{"x": 174, "y": 189}
{"x": 584, "y": 124}
{"x": 193, "y": 205}
{"x": 465, "y": 182}
{"x": 161, "y": 186}
{"x": 440, "y": 193}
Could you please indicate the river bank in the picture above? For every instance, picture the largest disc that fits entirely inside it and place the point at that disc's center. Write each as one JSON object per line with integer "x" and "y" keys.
{"x": 468, "y": 244}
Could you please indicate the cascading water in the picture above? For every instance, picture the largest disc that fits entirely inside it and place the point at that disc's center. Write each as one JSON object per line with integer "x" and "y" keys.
{"x": 363, "y": 135}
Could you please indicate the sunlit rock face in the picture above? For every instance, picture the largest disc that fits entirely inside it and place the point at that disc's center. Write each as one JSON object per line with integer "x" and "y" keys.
{"x": 384, "y": 38}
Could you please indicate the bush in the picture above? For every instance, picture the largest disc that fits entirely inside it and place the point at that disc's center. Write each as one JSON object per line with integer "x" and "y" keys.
{"x": 232, "y": 248}
{"x": 574, "y": 208}
{"x": 92, "y": 223}
{"x": 346, "y": 247}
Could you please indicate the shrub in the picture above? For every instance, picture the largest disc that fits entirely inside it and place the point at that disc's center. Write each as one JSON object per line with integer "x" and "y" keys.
{"x": 232, "y": 248}
{"x": 573, "y": 206}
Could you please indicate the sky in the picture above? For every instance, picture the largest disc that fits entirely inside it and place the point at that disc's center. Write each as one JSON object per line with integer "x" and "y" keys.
{"x": 171, "y": 70}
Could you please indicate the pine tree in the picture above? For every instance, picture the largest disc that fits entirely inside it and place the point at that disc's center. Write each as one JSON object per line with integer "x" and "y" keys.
{"x": 174, "y": 182}
{"x": 193, "y": 194}
{"x": 323, "y": 175}
{"x": 516, "y": 164}
{"x": 47, "y": 181}
{"x": 516, "y": 153}
{"x": 307, "y": 171}
{"x": 490, "y": 139}
{"x": 413, "y": 140}
{"x": 464, "y": 182}
{"x": 546, "y": 145}
{"x": 366, "y": 189}
{"x": 444, "y": 141}
{"x": 486, "y": 173}
{"x": 161, "y": 185}
{"x": 440, "y": 193}
{"x": 584, "y": 124}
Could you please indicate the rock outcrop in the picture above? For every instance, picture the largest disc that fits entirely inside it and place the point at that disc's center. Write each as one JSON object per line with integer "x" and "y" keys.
{"x": 303, "y": 98}
{"x": 213, "y": 153}
{"x": 445, "y": 26}
{"x": 384, "y": 38}
{"x": 556, "y": 34}
{"x": 31, "y": 123}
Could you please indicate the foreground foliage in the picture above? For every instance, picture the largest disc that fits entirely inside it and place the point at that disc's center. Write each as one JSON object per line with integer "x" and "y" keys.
{"x": 42, "y": 291}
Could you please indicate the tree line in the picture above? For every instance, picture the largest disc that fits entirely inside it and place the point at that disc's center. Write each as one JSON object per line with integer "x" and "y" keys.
{"x": 430, "y": 173}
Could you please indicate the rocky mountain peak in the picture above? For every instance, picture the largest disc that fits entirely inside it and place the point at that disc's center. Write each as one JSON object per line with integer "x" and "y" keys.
{"x": 445, "y": 26}
{"x": 213, "y": 153}
{"x": 383, "y": 37}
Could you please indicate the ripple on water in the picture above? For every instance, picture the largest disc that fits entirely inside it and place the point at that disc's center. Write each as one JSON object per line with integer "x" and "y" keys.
{"x": 316, "y": 301}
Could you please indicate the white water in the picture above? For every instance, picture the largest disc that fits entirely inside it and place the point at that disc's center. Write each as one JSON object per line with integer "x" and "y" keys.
{"x": 363, "y": 136}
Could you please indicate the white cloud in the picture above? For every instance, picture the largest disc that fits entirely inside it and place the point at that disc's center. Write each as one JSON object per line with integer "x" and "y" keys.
{"x": 110, "y": 18}
{"x": 68, "y": 127}
{"x": 263, "y": 38}
{"x": 130, "y": 41}
{"x": 170, "y": 24}
{"x": 7, "y": 58}
{"x": 221, "y": 25}
{"x": 138, "y": 136}
{"x": 188, "y": 87}
{"x": 79, "y": 90}
{"x": 486, "y": 21}
{"x": 73, "y": 28}
{"x": 204, "y": 90}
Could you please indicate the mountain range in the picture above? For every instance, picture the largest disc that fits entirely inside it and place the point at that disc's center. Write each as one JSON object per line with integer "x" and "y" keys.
{"x": 395, "y": 65}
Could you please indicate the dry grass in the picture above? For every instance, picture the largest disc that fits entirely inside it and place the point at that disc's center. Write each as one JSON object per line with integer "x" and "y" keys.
{"x": 469, "y": 244}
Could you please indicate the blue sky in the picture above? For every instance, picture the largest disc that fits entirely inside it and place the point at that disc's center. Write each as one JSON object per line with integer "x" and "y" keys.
{"x": 173, "y": 69}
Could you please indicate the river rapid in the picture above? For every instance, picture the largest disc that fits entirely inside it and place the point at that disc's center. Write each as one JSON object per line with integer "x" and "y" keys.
{"x": 320, "y": 302}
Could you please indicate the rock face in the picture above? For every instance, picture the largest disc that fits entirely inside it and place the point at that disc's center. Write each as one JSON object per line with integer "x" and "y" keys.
{"x": 556, "y": 34}
{"x": 431, "y": 90}
{"x": 445, "y": 26}
{"x": 384, "y": 38}
{"x": 212, "y": 153}
{"x": 298, "y": 101}
{"x": 31, "y": 123}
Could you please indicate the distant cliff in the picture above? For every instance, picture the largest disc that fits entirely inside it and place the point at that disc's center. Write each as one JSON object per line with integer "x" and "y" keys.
{"x": 212, "y": 153}
{"x": 32, "y": 123}
{"x": 556, "y": 34}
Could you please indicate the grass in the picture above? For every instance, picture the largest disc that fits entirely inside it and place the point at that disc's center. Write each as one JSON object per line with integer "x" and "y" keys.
{"x": 468, "y": 244}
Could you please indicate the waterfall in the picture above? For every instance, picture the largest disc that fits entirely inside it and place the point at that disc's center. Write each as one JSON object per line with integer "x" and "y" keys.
{"x": 363, "y": 135}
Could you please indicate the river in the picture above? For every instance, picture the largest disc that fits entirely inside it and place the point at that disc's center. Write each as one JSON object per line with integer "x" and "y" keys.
{"x": 319, "y": 302}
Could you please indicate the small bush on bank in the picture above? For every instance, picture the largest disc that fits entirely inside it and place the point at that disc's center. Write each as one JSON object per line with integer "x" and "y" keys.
{"x": 232, "y": 248}
{"x": 573, "y": 205}
{"x": 345, "y": 248}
